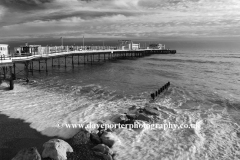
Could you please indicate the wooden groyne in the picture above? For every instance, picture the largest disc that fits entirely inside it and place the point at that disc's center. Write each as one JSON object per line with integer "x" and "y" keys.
{"x": 160, "y": 90}
{"x": 42, "y": 62}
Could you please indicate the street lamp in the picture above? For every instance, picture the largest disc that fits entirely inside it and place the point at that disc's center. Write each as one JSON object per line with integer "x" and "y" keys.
{"x": 62, "y": 40}
{"x": 83, "y": 43}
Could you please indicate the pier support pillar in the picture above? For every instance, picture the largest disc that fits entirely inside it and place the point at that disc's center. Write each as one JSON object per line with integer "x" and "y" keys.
{"x": 11, "y": 82}
{"x": 58, "y": 62}
{"x": 26, "y": 71}
{"x": 31, "y": 67}
{"x": 84, "y": 59}
{"x": 39, "y": 67}
{"x": 4, "y": 73}
{"x": 91, "y": 58}
{"x": 72, "y": 62}
{"x": 46, "y": 65}
{"x": 65, "y": 61}
{"x": 14, "y": 71}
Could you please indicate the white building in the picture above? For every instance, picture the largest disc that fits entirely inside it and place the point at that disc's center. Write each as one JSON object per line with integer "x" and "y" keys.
{"x": 135, "y": 46}
{"x": 27, "y": 49}
{"x": 4, "y": 50}
{"x": 161, "y": 46}
{"x": 131, "y": 46}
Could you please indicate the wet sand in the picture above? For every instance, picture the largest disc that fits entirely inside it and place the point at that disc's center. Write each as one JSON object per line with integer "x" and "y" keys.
{"x": 15, "y": 135}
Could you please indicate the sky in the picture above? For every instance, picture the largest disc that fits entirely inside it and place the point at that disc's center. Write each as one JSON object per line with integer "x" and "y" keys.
{"x": 119, "y": 19}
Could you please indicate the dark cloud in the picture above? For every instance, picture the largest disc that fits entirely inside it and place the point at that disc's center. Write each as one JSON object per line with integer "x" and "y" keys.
{"x": 166, "y": 3}
{"x": 59, "y": 15}
{"x": 25, "y": 4}
{"x": 88, "y": 0}
{"x": 87, "y": 15}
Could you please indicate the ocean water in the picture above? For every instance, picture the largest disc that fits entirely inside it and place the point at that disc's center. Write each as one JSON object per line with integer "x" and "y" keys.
{"x": 205, "y": 90}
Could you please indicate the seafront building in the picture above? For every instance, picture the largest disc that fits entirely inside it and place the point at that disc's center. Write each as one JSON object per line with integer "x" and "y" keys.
{"x": 4, "y": 50}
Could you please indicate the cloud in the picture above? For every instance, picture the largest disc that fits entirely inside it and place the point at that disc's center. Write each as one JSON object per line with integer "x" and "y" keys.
{"x": 136, "y": 18}
{"x": 25, "y": 4}
{"x": 2, "y": 12}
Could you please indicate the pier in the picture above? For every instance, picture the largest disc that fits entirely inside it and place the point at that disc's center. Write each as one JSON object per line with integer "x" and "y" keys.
{"x": 40, "y": 62}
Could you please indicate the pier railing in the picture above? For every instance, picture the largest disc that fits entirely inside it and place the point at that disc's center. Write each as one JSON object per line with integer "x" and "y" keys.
{"x": 44, "y": 51}
{"x": 5, "y": 59}
{"x": 32, "y": 52}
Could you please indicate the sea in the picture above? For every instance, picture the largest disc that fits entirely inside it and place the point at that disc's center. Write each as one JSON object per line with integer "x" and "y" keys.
{"x": 204, "y": 90}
